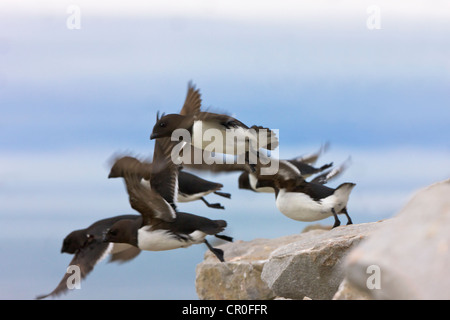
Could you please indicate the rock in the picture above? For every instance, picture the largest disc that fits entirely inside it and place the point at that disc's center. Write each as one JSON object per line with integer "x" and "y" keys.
{"x": 316, "y": 226}
{"x": 311, "y": 266}
{"x": 295, "y": 266}
{"x": 347, "y": 291}
{"x": 239, "y": 277}
{"x": 410, "y": 257}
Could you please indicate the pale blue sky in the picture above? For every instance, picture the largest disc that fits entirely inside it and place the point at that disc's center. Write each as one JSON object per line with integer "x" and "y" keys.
{"x": 70, "y": 99}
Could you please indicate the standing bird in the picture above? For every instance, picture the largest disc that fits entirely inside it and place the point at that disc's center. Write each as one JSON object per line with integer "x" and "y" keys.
{"x": 307, "y": 201}
{"x": 88, "y": 248}
{"x": 162, "y": 227}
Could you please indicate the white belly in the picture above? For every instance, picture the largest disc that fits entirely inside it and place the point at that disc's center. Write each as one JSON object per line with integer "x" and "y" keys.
{"x": 160, "y": 240}
{"x": 214, "y": 137}
{"x": 146, "y": 183}
{"x": 301, "y": 207}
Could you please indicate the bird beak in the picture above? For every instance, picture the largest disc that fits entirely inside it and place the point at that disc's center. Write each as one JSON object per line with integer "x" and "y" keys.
{"x": 153, "y": 136}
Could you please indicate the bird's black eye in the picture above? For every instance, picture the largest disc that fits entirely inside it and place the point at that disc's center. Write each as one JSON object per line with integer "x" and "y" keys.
{"x": 162, "y": 124}
{"x": 113, "y": 232}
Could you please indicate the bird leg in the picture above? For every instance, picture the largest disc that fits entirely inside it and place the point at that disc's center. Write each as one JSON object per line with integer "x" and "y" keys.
{"x": 217, "y": 252}
{"x": 223, "y": 237}
{"x": 337, "y": 222}
{"x": 349, "y": 220}
{"x": 212, "y": 205}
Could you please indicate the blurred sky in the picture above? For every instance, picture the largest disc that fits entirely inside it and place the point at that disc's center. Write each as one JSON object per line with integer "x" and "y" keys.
{"x": 71, "y": 98}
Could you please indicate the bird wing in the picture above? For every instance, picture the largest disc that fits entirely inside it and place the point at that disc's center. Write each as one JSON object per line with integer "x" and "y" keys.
{"x": 164, "y": 177}
{"x": 307, "y": 169}
{"x": 333, "y": 173}
{"x": 314, "y": 190}
{"x": 124, "y": 255}
{"x": 149, "y": 203}
{"x": 121, "y": 162}
{"x": 312, "y": 157}
{"x": 287, "y": 171}
{"x": 224, "y": 119}
{"x": 192, "y": 102}
{"x": 85, "y": 259}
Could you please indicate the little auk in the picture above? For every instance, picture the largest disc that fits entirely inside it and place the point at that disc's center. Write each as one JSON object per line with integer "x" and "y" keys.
{"x": 220, "y": 133}
{"x": 88, "y": 248}
{"x": 248, "y": 179}
{"x": 190, "y": 186}
{"x": 162, "y": 227}
{"x": 307, "y": 201}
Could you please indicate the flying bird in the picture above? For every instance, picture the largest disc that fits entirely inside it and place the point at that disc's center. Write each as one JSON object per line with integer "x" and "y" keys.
{"x": 162, "y": 227}
{"x": 88, "y": 248}
{"x": 190, "y": 187}
{"x": 216, "y": 132}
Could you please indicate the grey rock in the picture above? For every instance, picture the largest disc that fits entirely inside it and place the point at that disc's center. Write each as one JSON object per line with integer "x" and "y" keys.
{"x": 292, "y": 267}
{"x": 347, "y": 291}
{"x": 312, "y": 266}
{"x": 239, "y": 277}
{"x": 410, "y": 257}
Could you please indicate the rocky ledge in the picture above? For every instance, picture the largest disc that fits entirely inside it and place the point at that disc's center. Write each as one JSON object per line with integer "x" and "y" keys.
{"x": 405, "y": 257}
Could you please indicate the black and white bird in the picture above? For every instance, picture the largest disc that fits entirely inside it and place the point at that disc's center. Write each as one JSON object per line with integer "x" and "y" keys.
{"x": 307, "y": 201}
{"x": 216, "y": 132}
{"x": 248, "y": 179}
{"x": 190, "y": 187}
{"x": 162, "y": 227}
{"x": 88, "y": 248}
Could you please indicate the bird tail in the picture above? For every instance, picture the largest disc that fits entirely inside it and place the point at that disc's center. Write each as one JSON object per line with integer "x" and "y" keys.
{"x": 219, "y": 226}
{"x": 223, "y": 194}
{"x": 344, "y": 190}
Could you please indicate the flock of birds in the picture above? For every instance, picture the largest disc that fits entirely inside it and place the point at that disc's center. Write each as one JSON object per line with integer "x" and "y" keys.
{"x": 156, "y": 187}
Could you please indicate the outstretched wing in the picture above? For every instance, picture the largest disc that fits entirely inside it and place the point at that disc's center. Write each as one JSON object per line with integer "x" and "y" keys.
{"x": 193, "y": 101}
{"x": 307, "y": 170}
{"x": 312, "y": 157}
{"x": 332, "y": 173}
{"x": 149, "y": 203}
{"x": 164, "y": 178}
{"x": 120, "y": 163}
{"x": 85, "y": 259}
